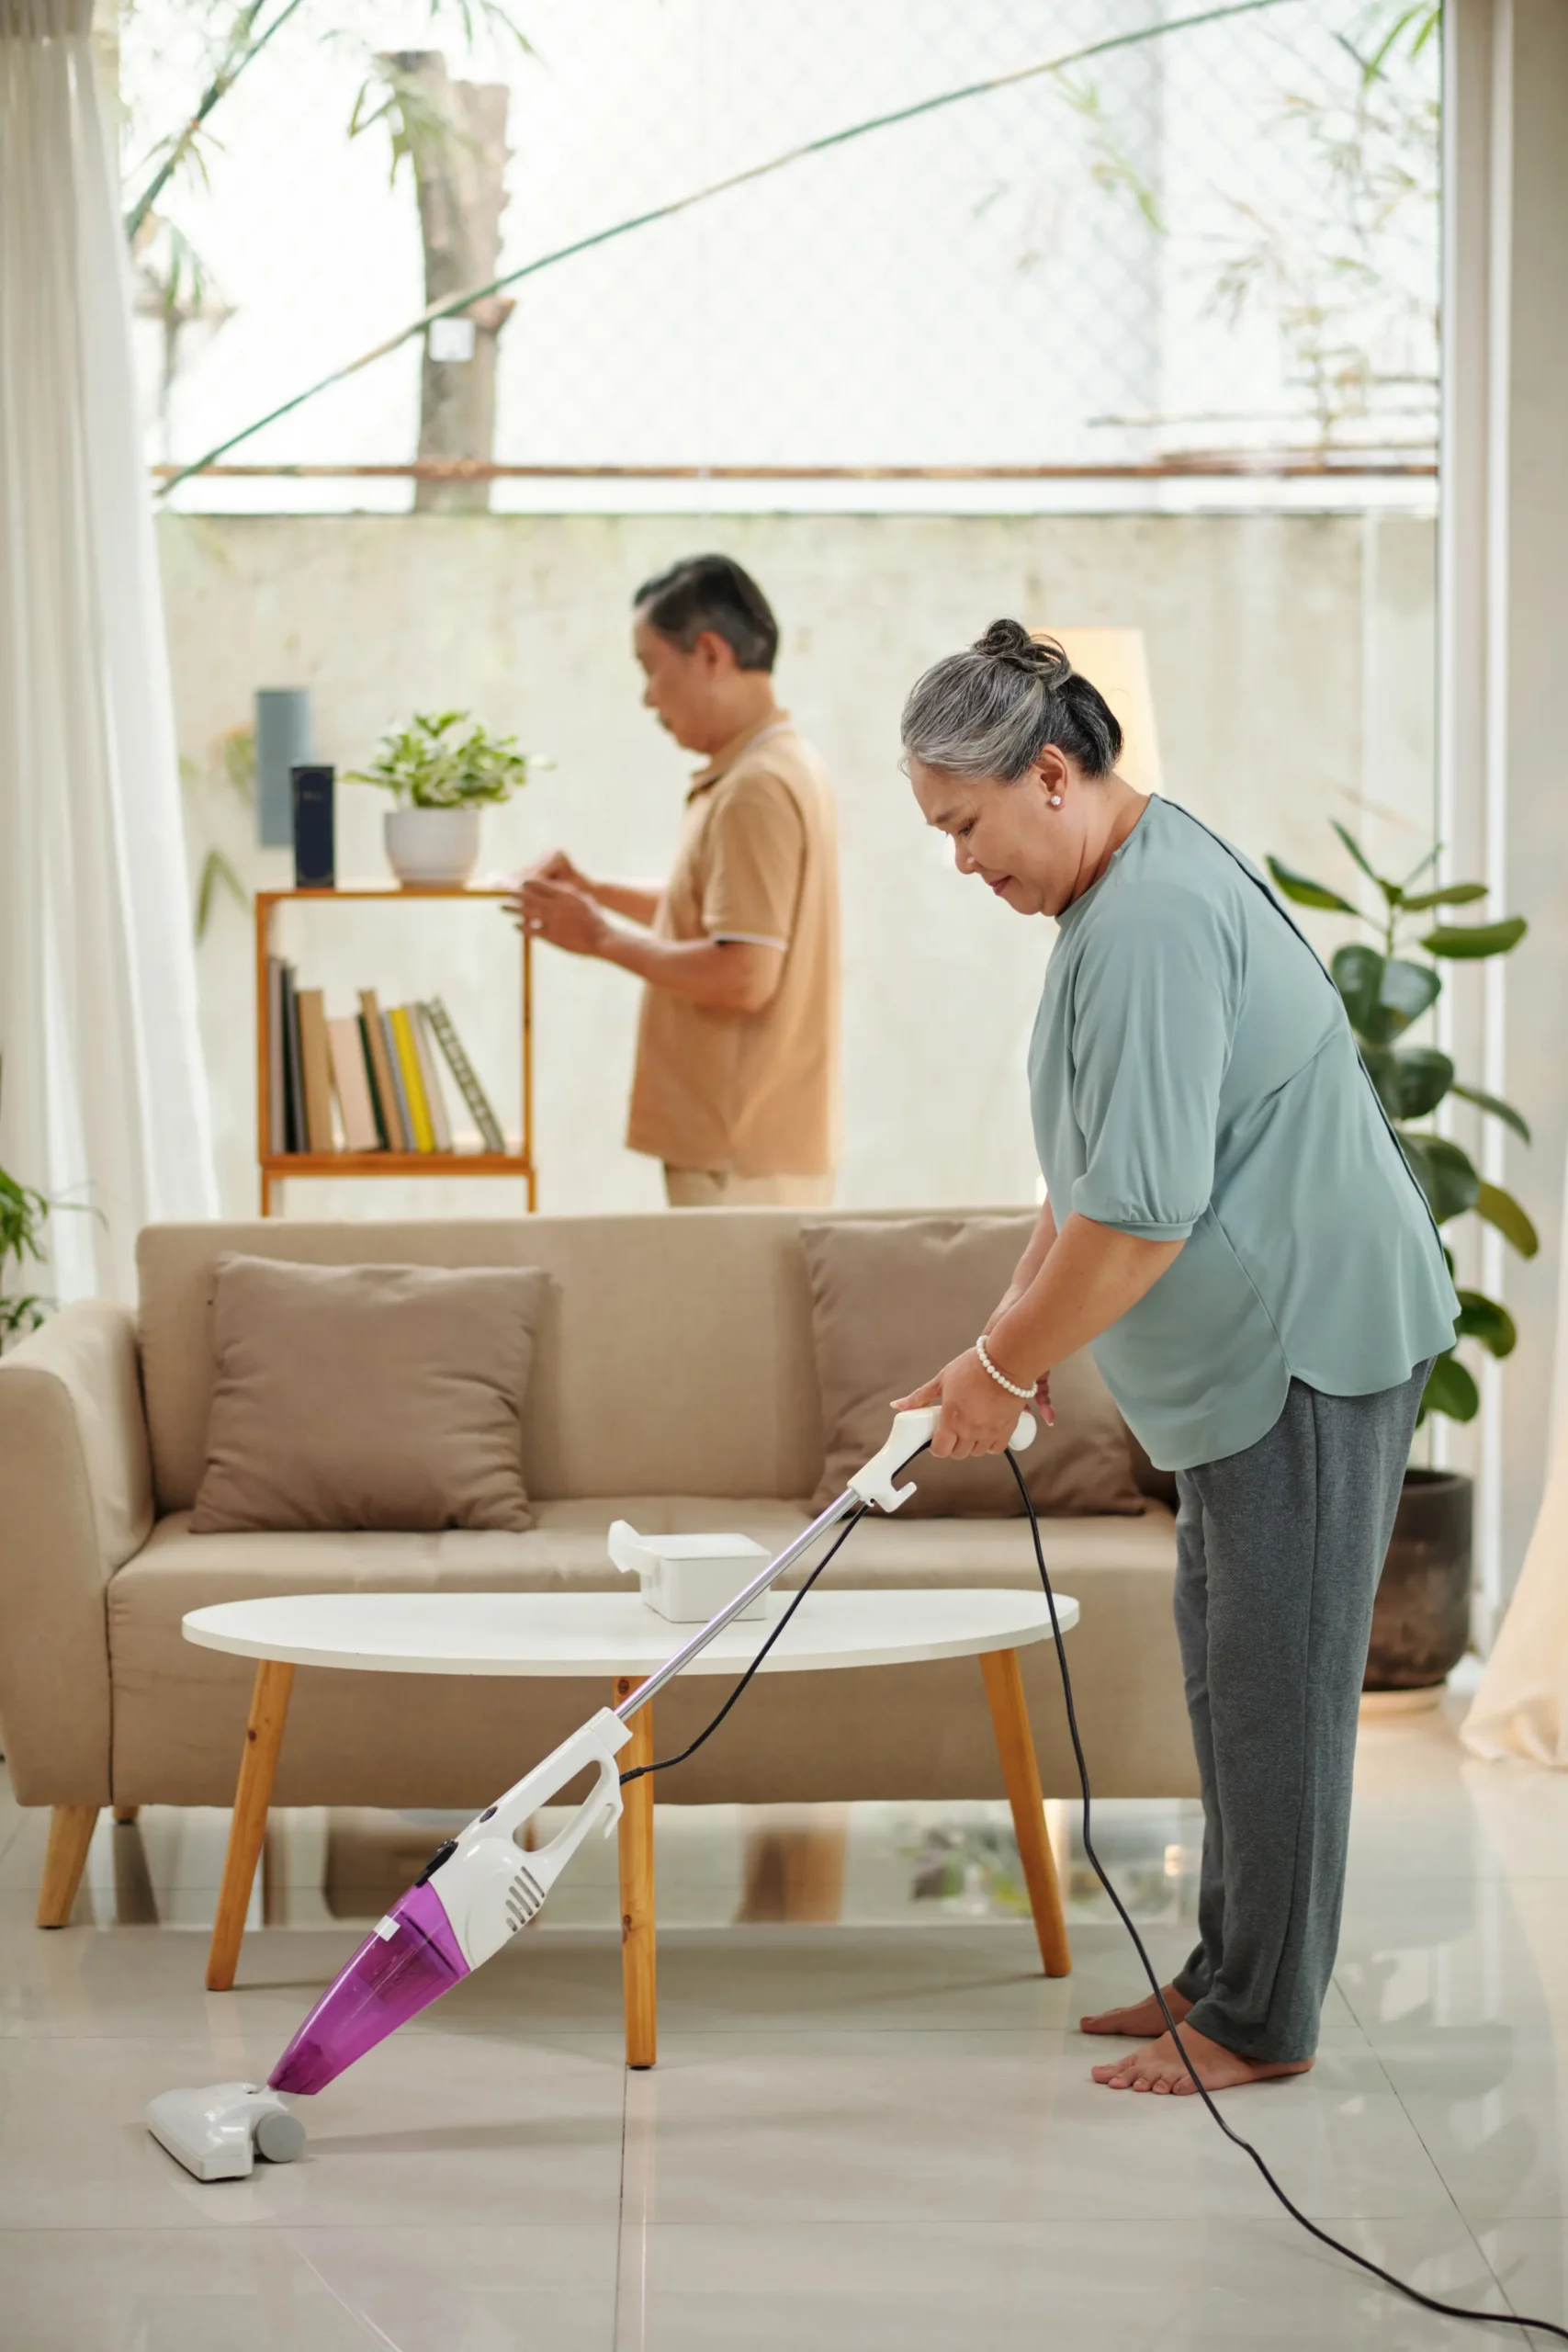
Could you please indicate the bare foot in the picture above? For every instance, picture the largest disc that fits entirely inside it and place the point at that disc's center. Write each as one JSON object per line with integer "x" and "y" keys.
{"x": 1156, "y": 2067}
{"x": 1141, "y": 2019}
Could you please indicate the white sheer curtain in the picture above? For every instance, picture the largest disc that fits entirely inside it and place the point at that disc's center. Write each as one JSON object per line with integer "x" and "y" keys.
{"x": 105, "y": 1096}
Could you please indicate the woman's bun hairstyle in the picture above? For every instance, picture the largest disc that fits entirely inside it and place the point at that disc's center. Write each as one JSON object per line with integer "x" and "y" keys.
{"x": 991, "y": 712}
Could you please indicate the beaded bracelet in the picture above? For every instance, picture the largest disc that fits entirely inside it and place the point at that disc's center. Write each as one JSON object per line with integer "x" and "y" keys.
{"x": 1000, "y": 1377}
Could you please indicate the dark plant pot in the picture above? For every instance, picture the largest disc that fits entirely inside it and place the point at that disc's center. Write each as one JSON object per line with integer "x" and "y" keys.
{"x": 1421, "y": 1615}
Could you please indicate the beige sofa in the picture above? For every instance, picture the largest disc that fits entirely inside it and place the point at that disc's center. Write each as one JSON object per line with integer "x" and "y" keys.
{"x": 674, "y": 1386}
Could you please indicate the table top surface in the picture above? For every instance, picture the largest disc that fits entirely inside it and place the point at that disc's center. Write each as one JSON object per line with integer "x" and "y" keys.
{"x": 612, "y": 1632}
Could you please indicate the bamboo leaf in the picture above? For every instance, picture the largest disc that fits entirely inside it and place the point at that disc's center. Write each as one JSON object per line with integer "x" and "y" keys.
{"x": 1472, "y": 940}
{"x": 1500, "y": 1209}
{"x": 1494, "y": 1103}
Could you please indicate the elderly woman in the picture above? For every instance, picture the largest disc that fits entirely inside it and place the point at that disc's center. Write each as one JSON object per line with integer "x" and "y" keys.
{"x": 1231, "y": 1224}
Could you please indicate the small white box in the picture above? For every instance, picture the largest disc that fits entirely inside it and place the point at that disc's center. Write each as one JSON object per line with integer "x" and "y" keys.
{"x": 689, "y": 1579}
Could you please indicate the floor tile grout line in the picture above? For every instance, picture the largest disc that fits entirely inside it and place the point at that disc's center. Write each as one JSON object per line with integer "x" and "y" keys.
{"x": 1469, "y": 2227}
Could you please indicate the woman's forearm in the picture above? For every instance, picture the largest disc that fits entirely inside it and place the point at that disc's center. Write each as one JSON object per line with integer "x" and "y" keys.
{"x": 1088, "y": 1279}
{"x": 1040, "y": 1242}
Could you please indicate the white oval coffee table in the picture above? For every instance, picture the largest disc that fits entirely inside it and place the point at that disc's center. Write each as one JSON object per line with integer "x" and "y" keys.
{"x": 617, "y": 1636}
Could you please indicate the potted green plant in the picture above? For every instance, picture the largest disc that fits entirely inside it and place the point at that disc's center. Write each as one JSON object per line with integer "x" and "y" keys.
{"x": 1421, "y": 1622}
{"x": 443, "y": 769}
{"x": 24, "y": 1215}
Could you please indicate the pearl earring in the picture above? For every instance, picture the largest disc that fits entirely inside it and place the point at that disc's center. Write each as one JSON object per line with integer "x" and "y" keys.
{"x": 1055, "y": 800}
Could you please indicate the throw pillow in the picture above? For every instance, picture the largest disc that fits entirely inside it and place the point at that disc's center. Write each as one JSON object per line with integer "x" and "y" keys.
{"x": 368, "y": 1397}
{"x": 891, "y": 1303}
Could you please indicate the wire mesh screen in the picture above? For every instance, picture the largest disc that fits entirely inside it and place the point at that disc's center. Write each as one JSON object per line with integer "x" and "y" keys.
{"x": 1214, "y": 244}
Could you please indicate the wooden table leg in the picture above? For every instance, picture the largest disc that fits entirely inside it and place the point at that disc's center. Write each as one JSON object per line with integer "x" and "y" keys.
{"x": 637, "y": 1888}
{"x": 258, "y": 1768}
{"x": 1020, "y": 1771}
{"x": 69, "y": 1835}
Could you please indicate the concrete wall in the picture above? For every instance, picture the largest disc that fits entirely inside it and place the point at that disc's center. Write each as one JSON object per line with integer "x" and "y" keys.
{"x": 1292, "y": 664}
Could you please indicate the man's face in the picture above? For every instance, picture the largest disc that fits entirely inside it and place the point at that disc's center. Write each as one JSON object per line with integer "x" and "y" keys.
{"x": 683, "y": 690}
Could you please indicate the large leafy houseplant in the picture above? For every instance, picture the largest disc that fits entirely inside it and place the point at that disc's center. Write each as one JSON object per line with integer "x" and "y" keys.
{"x": 1385, "y": 990}
{"x": 431, "y": 762}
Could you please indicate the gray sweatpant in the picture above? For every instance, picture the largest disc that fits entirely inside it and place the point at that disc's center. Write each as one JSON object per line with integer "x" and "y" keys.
{"x": 1279, "y": 1550}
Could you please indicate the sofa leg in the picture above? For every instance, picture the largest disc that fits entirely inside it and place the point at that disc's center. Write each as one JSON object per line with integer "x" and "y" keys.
{"x": 70, "y": 1830}
{"x": 124, "y": 1814}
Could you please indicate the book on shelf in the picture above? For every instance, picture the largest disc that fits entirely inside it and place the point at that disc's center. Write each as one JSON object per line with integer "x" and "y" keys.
{"x": 414, "y": 1081}
{"x": 367, "y": 1081}
{"x": 479, "y": 1107}
{"x": 316, "y": 1054}
{"x": 293, "y": 1067}
{"x": 381, "y": 1095}
{"x": 430, "y": 1078}
{"x": 277, "y": 1107}
{"x": 400, "y": 1091}
{"x": 351, "y": 1077}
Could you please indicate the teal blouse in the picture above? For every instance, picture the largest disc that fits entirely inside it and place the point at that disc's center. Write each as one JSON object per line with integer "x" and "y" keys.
{"x": 1193, "y": 1078}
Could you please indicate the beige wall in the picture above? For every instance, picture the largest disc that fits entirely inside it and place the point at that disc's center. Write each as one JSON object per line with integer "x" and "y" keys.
{"x": 1292, "y": 662}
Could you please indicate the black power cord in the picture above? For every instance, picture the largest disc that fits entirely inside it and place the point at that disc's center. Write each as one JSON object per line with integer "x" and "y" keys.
{"x": 1362, "y": 2261}
{"x": 640, "y": 1772}
{"x": 1323, "y": 2237}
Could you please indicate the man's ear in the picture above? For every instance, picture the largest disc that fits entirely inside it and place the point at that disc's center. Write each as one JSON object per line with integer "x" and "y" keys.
{"x": 715, "y": 652}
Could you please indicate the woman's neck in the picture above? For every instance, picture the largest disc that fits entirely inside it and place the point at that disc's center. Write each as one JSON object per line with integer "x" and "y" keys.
{"x": 1122, "y": 809}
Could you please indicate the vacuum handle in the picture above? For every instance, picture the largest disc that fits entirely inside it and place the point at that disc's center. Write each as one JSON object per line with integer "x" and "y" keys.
{"x": 910, "y": 1432}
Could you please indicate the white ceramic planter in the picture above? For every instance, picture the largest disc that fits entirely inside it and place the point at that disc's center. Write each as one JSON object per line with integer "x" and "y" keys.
{"x": 428, "y": 846}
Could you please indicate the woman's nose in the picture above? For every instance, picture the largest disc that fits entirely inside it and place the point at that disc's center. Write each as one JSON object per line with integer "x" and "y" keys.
{"x": 962, "y": 858}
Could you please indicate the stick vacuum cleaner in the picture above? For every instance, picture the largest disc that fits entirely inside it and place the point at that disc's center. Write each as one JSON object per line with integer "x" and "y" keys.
{"x": 478, "y": 1889}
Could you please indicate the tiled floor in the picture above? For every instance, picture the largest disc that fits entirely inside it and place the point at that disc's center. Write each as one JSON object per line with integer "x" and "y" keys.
{"x": 875, "y": 2133}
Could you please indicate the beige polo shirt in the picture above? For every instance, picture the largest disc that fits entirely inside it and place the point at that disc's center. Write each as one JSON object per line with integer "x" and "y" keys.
{"x": 757, "y": 859}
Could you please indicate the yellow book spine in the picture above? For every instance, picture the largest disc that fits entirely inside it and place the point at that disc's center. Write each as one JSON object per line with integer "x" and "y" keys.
{"x": 408, "y": 1062}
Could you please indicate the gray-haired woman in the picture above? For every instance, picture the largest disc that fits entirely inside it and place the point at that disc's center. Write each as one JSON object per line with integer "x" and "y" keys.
{"x": 1232, "y": 1225}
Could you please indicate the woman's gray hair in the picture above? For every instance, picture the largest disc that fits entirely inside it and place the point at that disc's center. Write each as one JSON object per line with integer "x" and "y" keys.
{"x": 991, "y": 711}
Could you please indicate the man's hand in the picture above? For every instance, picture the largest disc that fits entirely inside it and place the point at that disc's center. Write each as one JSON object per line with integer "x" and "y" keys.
{"x": 978, "y": 1414}
{"x": 563, "y": 915}
{"x": 556, "y": 867}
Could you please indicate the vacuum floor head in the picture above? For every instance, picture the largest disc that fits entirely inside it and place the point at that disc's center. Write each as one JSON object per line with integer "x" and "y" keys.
{"x": 218, "y": 2134}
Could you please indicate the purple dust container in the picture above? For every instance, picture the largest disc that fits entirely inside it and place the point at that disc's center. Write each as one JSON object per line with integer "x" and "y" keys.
{"x": 411, "y": 1961}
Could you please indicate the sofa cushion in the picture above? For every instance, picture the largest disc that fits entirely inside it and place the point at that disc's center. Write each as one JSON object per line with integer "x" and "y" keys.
{"x": 891, "y": 1303}
{"x": 368, "y": 1397}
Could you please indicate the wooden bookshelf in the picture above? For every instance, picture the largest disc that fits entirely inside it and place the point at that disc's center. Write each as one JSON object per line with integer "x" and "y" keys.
{"x": 272, "y": 1167}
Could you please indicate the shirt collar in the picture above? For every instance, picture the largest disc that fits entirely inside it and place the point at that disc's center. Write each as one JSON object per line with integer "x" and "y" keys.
{"x": 725, "y": 758}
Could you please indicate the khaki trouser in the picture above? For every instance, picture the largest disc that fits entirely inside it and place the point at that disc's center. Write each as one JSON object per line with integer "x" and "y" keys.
{"x": 702, "y": 1188}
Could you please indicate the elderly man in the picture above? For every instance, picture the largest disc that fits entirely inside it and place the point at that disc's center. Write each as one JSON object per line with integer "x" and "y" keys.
{"x": 735, "y": 1085}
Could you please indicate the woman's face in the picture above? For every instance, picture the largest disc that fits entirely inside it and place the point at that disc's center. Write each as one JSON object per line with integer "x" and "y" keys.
{"x": 1024, "y": 847}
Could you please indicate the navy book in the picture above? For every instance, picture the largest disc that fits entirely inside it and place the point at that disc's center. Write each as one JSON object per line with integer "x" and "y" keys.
{"x": 315, "y": 852}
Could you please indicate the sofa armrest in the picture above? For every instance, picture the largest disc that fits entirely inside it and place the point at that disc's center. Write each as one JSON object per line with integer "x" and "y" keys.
{"x": 75, "y": 1504}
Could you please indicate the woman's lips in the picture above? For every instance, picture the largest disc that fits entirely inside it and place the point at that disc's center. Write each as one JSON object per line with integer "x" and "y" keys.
{"x": 999, "y": 887}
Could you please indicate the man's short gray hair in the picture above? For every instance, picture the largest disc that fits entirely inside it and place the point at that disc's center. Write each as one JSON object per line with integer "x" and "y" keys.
{"x": 991, "y": 711}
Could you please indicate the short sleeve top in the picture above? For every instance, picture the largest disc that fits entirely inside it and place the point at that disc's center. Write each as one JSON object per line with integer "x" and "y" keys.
{"x": 757, "y": 862}
{"x": 1194, "y": 1078}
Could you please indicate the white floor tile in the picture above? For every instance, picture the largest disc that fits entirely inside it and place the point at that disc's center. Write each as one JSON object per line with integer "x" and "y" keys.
{"x": 302, "y": 2289}
{"x": 981, "y": 2127}
{"x": 1076, "y": 2287}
